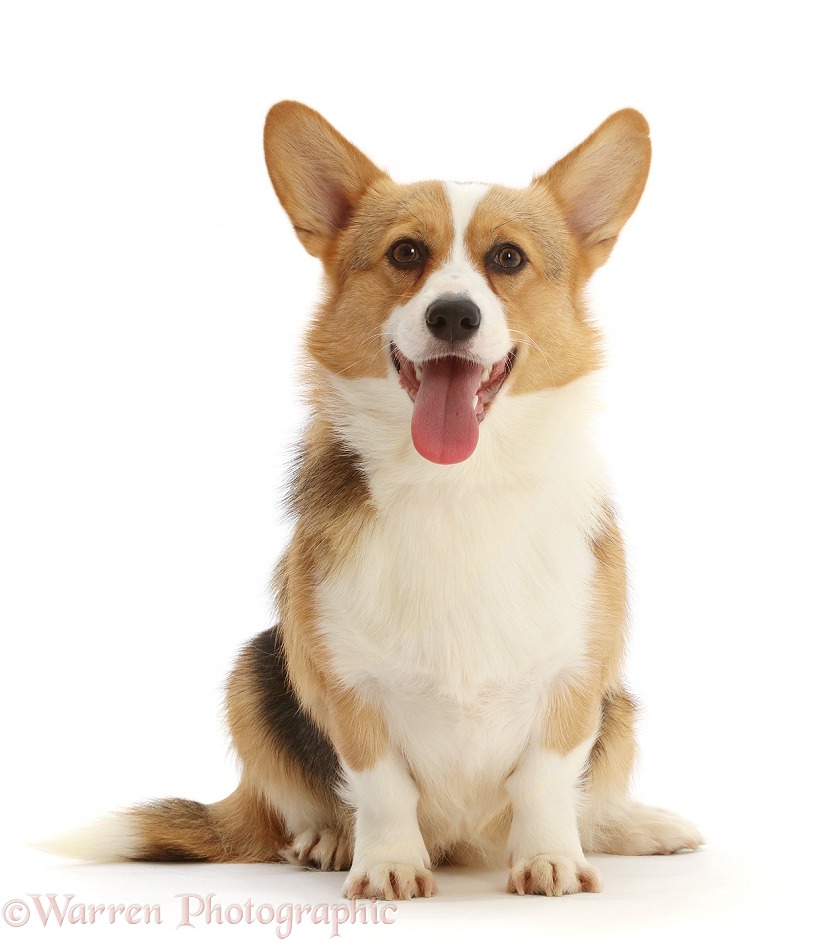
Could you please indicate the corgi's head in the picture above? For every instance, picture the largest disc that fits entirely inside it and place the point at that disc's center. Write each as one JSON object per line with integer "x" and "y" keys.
{"x": 455, "y": 294}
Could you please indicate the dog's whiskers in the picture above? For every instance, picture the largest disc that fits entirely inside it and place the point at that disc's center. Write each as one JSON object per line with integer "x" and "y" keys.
{"x": 514, "y": 334}
{"x": 366, "y": 355}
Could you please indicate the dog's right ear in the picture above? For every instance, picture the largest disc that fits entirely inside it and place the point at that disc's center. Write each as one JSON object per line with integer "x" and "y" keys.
{"x": 318, "y": 175}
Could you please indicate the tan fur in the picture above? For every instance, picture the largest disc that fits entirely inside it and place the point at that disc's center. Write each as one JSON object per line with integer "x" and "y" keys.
{"x": 577, "y": 709}
{"x": 242, "y": 828}
{"x": 266, "y": 769}
{"x": 332, "y": 505}
{"x": 596, "y": 704}
{"x": 357, "y": 728}
{"x": 345, "y": 334}
{"x": 573, "y": 715}
{"x": 543, "y": 302}
{"x": 613, "y": 755}
{"x": 608, "y": 634}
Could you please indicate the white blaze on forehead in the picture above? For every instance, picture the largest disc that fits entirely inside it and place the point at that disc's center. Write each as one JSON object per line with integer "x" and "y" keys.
{"x": 458, "y": 274}
{"x": 463, "y": 199}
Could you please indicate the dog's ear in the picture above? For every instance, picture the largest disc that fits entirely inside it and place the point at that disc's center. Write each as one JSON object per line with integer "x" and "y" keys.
{"x": 317, "y": 174}
{"x": 599, "y": 183}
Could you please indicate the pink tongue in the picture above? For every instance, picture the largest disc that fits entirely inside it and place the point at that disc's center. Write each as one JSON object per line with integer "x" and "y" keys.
{"x": 444, "y": 423}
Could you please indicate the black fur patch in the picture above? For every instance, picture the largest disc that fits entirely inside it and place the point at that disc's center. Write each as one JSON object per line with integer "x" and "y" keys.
{"x": 293, "y": 731}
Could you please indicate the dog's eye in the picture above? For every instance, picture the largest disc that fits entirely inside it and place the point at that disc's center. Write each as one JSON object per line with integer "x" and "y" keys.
{"x": 406, "y": 254}
{"x": 507, "y": 257}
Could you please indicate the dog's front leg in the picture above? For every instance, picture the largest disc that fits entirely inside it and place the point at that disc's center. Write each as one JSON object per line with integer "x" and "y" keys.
{"x": 390, "y": 857}
{"x": 544, "y": 852}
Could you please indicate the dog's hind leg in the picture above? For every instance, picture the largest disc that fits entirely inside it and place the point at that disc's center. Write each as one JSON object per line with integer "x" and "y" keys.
{"x": 285, "y": 807}
{"x": 610, "y": 823}
{"x": 294, "y": 764}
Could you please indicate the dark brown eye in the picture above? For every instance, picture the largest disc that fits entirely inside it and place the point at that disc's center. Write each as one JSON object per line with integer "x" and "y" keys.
{"x": 508, "y": 258}
{"x": 406, "y": 254}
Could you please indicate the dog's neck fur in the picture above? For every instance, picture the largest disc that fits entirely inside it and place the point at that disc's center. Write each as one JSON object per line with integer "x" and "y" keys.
{"x": 535, "y": 438}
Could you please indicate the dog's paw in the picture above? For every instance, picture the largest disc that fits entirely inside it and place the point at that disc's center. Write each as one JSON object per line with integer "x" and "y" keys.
{"x": 635, "y": 830}
{"x": 390, "y": 881}
{"x": 552, "y": 875}
{"x": 320, "y": 849}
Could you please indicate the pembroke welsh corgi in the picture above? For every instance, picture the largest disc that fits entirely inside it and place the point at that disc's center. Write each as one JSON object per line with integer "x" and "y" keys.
{"x": 444, "y": 681}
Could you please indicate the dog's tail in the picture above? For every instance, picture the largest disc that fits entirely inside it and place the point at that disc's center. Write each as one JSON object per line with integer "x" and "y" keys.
{"x": 240, "y": 828}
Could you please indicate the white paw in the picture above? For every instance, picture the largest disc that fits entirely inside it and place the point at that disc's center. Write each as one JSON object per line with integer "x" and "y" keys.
{"x": 552, "y": 875}
{"x": 390, "y": 881}
{"x": 320, "y": 849}
{"x": 635, "y": 829}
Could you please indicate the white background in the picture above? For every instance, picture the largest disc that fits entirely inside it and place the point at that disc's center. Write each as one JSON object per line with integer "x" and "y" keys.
{"x": 152, "y": 298}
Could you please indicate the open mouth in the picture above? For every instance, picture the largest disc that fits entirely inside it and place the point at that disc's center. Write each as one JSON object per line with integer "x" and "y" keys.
{"x": 451, "y": 395}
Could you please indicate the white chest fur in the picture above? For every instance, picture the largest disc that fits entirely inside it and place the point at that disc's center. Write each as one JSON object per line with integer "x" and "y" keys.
{"x": 468, "y": 596}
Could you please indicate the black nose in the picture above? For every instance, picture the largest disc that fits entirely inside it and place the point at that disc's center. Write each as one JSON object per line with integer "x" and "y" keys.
{"x": 453, "y": 318}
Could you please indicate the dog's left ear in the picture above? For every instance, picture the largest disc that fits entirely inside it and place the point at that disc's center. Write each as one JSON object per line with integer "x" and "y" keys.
{"x": 317, "y": 174}
{"x": 599, "y": 183}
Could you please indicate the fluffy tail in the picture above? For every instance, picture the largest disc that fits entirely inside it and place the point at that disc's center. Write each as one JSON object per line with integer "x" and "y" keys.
{"x": 240, "y": 828}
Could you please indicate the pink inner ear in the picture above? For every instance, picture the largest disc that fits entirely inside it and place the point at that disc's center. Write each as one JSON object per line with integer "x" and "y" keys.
{"x": 581, "y": 218}
{"x": 338, "y": 206}
{"x": 327, "y": 197}
{"x": 317, "y": 174}
{"x": 600, "y": 182}
{"x": 593, "y": 197}
{"x": 326, "y": 203}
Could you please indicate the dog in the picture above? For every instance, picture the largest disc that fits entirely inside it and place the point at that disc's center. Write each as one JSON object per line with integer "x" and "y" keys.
{"x": 444, "y": 681}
